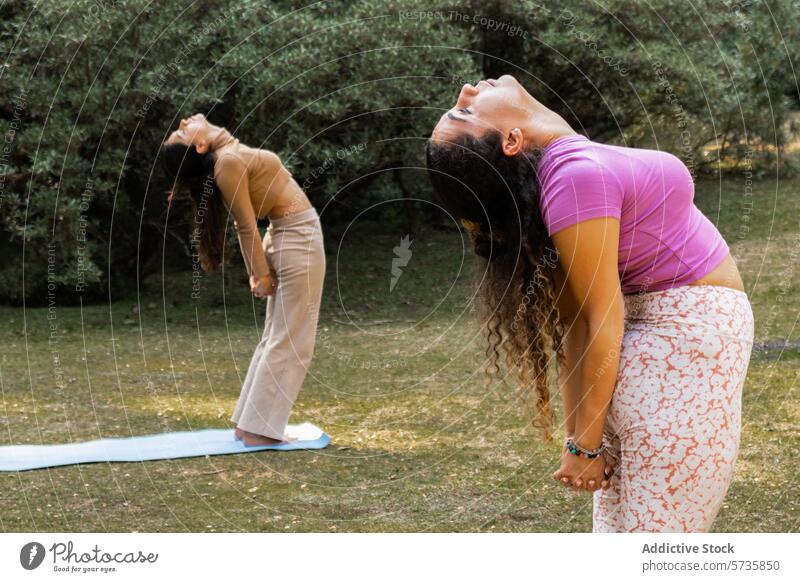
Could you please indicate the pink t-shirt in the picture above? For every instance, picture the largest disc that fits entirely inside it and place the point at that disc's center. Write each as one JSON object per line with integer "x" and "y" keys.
{"x": 664, "y": 241}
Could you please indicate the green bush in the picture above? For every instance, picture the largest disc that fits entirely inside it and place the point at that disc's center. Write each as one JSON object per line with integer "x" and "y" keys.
{"x": 340, "y": 90}
{"x": 668, "y": 74}
{"x": 344, "y": 92}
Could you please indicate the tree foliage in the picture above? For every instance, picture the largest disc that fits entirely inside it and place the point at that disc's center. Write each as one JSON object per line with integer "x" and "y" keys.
{"x": 345, "y": 93}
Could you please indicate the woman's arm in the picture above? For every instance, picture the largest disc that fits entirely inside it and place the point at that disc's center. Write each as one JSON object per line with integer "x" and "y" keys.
{"x": 569, "y": 380}
{"x": 588, "y": 254}
{"x": 231, "y": 177}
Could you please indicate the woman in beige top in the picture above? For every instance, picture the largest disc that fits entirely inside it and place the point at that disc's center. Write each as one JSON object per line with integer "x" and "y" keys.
{"x": 222, "y": 176}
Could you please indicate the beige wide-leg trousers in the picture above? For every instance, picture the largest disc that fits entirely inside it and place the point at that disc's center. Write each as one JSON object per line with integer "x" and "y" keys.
{"x": 296, "y": 258}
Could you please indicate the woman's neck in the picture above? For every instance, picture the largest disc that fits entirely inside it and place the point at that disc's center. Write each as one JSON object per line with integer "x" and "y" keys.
{"x": 544, "y": 125}
{"x": 218, "y": 136}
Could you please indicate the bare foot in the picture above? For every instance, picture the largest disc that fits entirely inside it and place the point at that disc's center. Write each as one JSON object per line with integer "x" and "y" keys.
{"x": 252, "y": 439}
{"x": 238, "y": 434}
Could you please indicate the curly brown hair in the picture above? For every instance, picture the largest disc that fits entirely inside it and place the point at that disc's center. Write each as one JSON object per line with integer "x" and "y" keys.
{"x": 497, "y": 198}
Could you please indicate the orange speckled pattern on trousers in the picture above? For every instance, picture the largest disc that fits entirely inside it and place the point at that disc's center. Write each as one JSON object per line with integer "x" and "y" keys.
{"x": 675, "y": 417}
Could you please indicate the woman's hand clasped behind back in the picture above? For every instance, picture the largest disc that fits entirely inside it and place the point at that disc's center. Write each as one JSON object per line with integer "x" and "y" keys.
{"x": 582, "y": 474}
{"x": 261, "y": 288}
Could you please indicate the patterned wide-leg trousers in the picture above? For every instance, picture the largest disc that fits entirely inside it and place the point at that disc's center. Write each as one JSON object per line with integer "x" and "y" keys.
{"x": 675, "y": 417}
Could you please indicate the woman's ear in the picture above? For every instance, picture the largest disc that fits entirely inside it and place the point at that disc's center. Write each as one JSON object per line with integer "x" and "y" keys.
{"x": 513, "y": 142}
{"x": 201, "y": 146}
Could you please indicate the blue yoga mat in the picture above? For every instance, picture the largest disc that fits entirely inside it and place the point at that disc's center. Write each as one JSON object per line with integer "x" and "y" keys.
{"x": 172, "y": 445}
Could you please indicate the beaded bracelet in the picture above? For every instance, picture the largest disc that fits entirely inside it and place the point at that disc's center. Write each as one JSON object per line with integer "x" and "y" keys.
{"x": 577, "y": 450}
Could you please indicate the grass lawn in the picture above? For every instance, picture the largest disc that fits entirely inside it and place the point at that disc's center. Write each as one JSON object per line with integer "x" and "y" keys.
{"x": 420, "y": 443}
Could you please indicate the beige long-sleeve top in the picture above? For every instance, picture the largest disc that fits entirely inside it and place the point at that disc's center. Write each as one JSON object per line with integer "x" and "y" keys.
{"x": 250, "y": 180}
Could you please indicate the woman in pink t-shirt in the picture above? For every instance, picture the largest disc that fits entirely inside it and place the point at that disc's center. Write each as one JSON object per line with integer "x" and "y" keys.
{"x": 597, "y": 258}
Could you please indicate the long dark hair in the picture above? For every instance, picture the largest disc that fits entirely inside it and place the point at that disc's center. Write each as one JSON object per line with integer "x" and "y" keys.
{"x": 192, "y": 176}
{"x": 497, "y": 198}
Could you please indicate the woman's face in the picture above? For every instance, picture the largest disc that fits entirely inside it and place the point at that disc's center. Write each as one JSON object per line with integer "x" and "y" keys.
{"x": 501, "y": 104}
{"x": 192, "y": 131}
